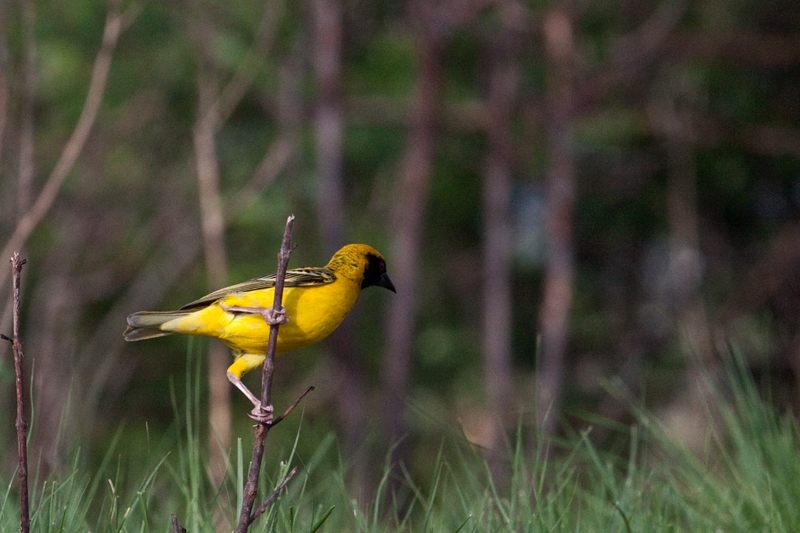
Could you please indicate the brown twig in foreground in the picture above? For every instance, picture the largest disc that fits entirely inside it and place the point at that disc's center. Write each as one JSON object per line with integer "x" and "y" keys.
{"x": 251, "y": 488}
{"x": 176, "y": 527}
{"x": 263, "y": 507}
{"x": 22, "y": 424}
{"x": 291, "y": 407}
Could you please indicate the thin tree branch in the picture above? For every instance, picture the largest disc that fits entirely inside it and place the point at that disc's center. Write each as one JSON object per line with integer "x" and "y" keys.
{"x": 262, "y": 430}
{"x": 21, "y": 424}
{"x": 291, "y": 407}
{"x": 176, "y": 527}
{"x": 74, "y": 146}
{"x": 263, "y": 507}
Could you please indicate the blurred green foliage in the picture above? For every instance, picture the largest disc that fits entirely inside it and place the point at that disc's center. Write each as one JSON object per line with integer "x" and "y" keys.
{"x": 117, "y": 215}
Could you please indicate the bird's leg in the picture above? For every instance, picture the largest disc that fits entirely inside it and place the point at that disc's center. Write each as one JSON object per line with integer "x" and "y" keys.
{"x": 273, "y": 318}
{"x": 260, "y": 413}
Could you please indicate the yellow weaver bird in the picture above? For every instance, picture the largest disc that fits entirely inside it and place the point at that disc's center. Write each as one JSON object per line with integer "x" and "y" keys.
{"x": 315, "y": 301}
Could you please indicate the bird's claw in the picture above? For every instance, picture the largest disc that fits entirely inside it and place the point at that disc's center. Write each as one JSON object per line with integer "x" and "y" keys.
{"x": 271, "y": 317}
{"x": 262, "y": 414}
{"x": 275, "y": 318}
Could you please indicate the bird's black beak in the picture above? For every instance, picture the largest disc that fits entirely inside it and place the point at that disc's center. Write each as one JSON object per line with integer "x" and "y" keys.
{"x": 386, "y": 283}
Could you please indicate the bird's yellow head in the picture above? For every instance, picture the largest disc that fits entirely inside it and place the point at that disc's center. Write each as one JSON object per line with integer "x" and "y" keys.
{"x": 362, "y": 264}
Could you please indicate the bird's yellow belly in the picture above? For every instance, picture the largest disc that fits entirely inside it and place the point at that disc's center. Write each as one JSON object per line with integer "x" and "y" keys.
{"x": 313, "y": 312}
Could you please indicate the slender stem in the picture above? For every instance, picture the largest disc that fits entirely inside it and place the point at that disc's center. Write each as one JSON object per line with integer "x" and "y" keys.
{"x": 277, "y": 304}
{"x": 291, "y": 407}
{"x": 251, "y": 488}
{"x": 176, "y": 526}
{"x": 263, "y": 507}
{"x": 22, "y": 424}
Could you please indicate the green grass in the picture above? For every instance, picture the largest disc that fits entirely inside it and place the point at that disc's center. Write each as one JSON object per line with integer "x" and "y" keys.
{"x": 746, "y": 480}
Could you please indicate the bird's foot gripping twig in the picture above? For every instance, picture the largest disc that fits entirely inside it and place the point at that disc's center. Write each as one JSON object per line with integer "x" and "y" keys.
{"x": 271, "y": 317}
{"x": 262, "y": 414}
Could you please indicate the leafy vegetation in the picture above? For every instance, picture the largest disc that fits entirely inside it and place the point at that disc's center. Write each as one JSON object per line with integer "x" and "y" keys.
{"x": 674, "y": 123}
{"x": 745, "y": 480}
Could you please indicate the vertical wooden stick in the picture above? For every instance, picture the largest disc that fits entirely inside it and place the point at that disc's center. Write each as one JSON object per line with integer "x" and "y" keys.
{"x": 176, "y": 526}
{"x": 22, "y": 424}
{"x": 251, "y": 488}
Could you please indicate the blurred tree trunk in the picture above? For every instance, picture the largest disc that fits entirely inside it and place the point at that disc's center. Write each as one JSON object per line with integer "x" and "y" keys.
{"x": 559, "y": 268}
{"x": 329, "y": 127}
{"x": 407, "y": 226}
{"x": 685, "y": 262}
{"x": 213, "y": 228}
{"x": 329, "y": 123}
{"x": 497, "y": 260}
{"x": 56, "y": 347}
{"x": 214, "y": 107}
{"x": 5, "y": 207}
{"x": 57, "y": 343}
{"x": 176, "y": 254}
{"x": 4, "y": 62}
{"x": 685, "y": 267}
{"x": 9, "y": 208}
{"x": 28, "y": 96}
{"x": 180, "y": 248}
{"x": 290, "y": 103}
{"x": 685, "y": 259}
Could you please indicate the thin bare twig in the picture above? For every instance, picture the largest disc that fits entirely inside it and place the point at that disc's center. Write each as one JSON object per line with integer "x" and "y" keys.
{"x": 176, "y": 527}
{"x": 22, "y": 424}
{"x": 74, "y": 146}
{"x": 262, "y": 430}
{"x": 263, "y": 507}
{"x": 291, "y": 407}
{"x": 277, "y": 304}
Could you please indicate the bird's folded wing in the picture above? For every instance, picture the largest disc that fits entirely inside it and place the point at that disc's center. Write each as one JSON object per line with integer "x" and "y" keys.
{"x": 297, "y": 277}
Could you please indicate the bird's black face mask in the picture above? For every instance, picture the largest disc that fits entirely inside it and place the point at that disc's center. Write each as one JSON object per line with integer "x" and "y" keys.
{"x": 375, "y": 274}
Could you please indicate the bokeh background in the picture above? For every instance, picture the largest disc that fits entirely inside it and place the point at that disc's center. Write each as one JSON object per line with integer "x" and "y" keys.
{"x": 573, "y": 198}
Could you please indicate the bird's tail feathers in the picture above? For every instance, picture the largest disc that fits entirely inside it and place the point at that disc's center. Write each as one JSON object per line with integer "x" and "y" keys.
{"x": 139, "y": 334}
{"x": 147, "y": 324}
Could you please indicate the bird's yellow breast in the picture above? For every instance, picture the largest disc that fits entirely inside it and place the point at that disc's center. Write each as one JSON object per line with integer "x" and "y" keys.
{"x": 313, "y": 312}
